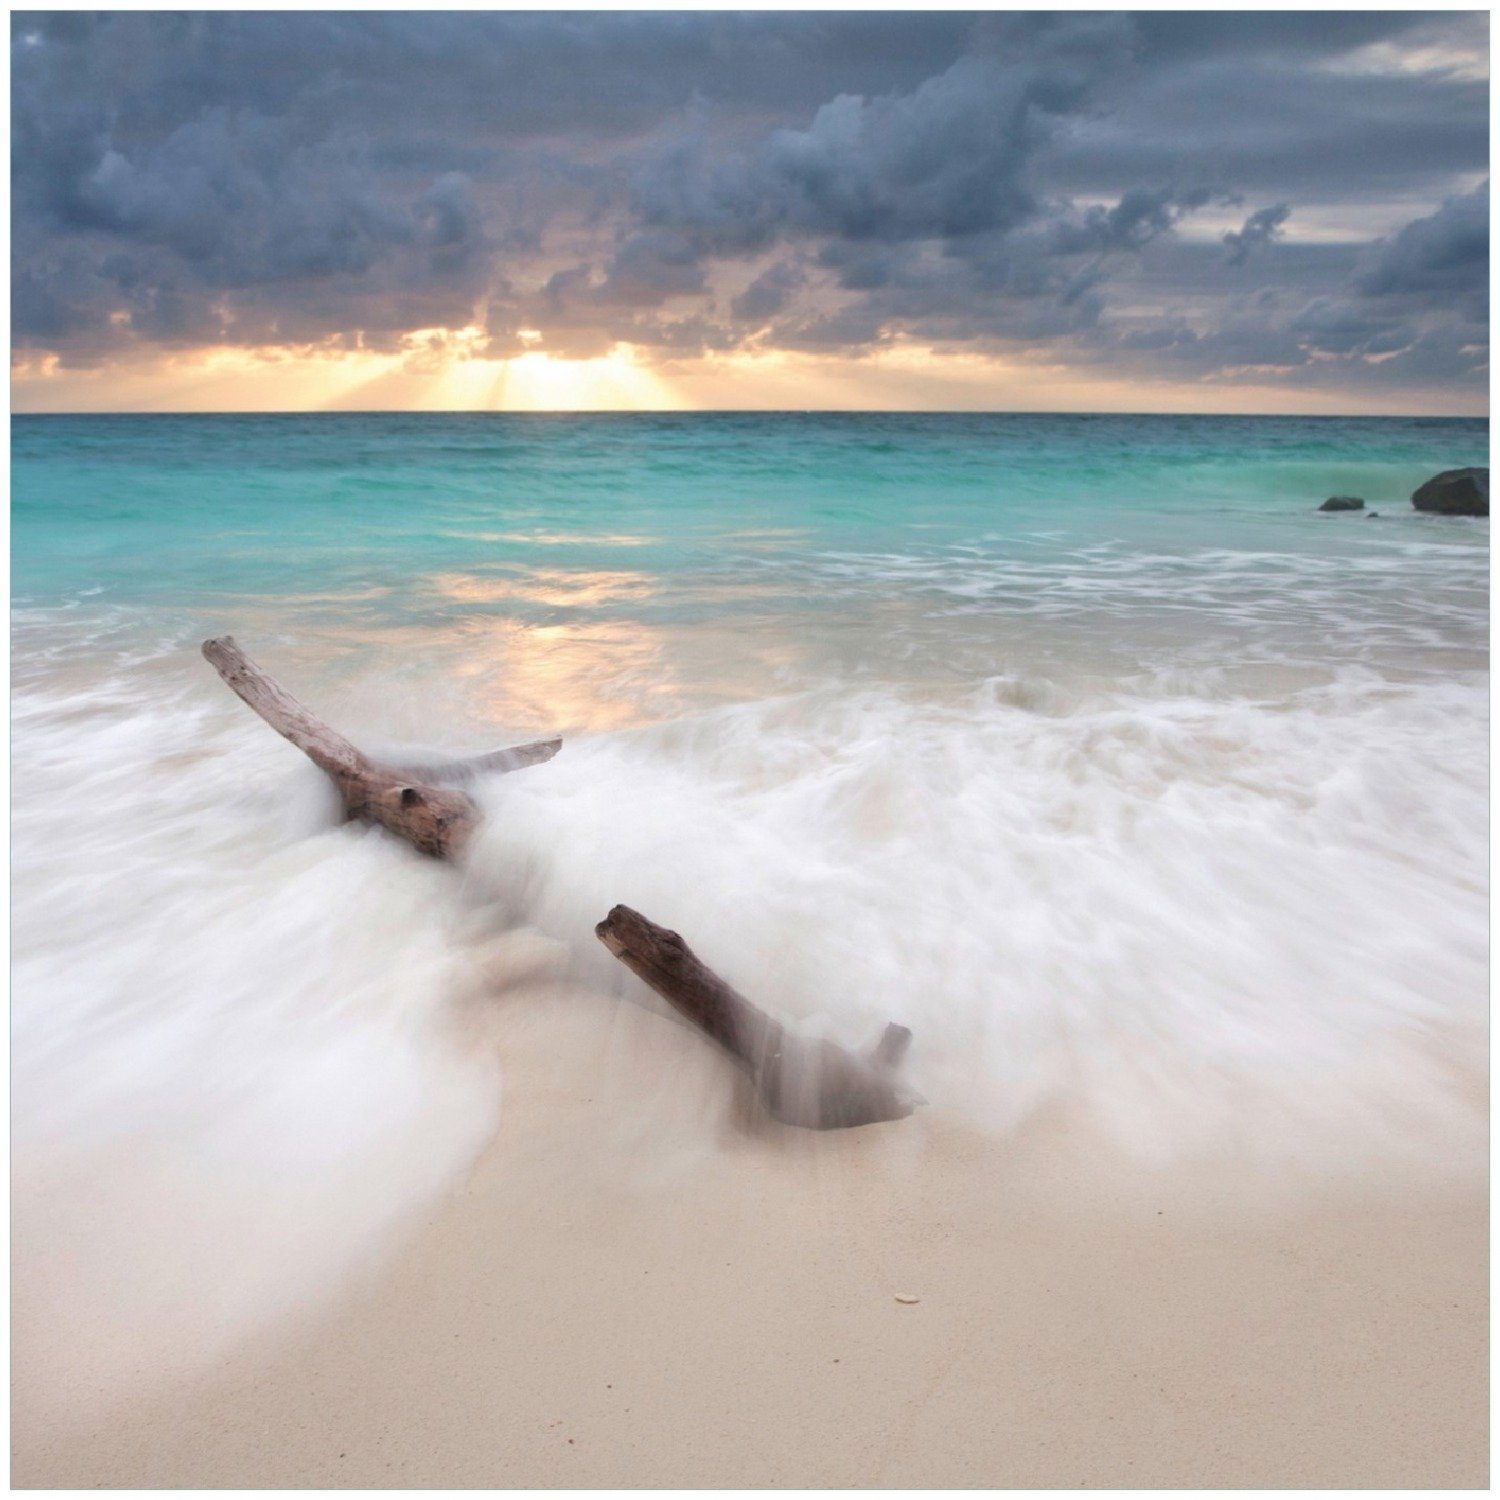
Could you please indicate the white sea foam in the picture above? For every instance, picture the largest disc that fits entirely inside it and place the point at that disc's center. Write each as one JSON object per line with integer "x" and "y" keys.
{"x": 231, "y": 1059}
{"x": 1206, "y": 920}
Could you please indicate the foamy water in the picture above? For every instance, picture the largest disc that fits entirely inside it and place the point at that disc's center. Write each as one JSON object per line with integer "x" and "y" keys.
{"x": 1182, "y": 835}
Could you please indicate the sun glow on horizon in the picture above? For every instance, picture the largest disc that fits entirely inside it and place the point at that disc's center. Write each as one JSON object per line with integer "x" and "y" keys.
{"x": 428, "y": 374}
{"x": 443, "y": 370}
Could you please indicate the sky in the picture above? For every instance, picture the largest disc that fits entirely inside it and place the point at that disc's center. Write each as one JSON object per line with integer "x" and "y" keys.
{"x": 1160, "y": 211}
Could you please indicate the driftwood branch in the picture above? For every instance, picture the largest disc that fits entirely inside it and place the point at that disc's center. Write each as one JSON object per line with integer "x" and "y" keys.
{"x": 418, "y": 804}
{"x": 494, "y": 763}
{"x": 801, "y": 1081}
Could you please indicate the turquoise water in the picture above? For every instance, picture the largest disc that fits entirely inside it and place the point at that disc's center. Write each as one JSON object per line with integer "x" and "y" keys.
{"x": 1148, "y": 797}
{"x": 1134, "y": 539}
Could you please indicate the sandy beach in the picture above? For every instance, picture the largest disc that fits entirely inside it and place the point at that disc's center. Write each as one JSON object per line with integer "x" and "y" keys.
{"x": 637, "y": 1285}
{"x": 938, "y": 558}
{"x": 335, "y": 1165}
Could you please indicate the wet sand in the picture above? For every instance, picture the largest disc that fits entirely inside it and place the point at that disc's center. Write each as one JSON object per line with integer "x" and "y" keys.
{"x": 636, "y": 1286}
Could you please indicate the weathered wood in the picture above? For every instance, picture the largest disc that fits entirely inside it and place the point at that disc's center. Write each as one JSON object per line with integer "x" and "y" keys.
{"x": 324, "y": 746}
{"x": 493, "y": 763}
{"x": 801, "y": 1081}
{"x": 412, "y": 802}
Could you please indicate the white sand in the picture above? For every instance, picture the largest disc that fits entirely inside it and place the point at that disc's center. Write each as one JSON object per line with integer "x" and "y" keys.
{"x": 634, "y": 1288}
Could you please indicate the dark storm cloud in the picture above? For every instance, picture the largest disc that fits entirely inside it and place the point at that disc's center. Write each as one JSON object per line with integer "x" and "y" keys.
{"x": 834, "y": 182}
{"x": 1259, "y": 228}
{"x": 1443, "y": 258}
{"x": 322, "y": 169}
{"x": 1409, "y": 309}
{"x": 1289, "y": 105}
{"x": 420, "y": 78}
{"x": 1139, "y": 216}
{"x": 768, "y": 293}
{"x": 944, "y": 159}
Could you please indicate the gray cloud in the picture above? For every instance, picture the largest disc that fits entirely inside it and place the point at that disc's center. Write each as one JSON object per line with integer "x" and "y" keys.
{"x": 1017, "y": 181}
{"x": 946, "y": 159}
{"x": 768, "y": 293}
{"x": 1285, "y": 105}
{"x": 1140, "y": 216}
{"x": 1259, "y": 228}
{"x": 1444, "y": 257}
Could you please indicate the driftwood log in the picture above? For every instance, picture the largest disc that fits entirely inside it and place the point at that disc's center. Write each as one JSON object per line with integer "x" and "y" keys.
{"x": 801, "y": 1081}
{"x": 420, "y": 804}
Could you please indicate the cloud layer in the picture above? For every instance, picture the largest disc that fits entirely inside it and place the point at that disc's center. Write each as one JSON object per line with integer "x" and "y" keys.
{"x": 1270, "y": 197}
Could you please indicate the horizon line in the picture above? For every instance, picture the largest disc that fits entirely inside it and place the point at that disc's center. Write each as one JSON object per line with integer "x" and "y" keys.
{"x": 756, "y": 411}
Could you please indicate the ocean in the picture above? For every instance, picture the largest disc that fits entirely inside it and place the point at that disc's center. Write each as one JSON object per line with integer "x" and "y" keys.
{"x": 1082, "y": 745}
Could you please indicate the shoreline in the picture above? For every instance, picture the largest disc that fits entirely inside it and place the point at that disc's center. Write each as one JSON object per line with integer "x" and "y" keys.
{"x": 661, "y": 1296}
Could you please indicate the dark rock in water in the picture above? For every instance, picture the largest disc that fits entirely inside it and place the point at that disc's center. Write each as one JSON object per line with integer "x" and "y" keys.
{"x": 1342, "y": 502}
{"x": 1373, "y": 516}
{"x": 1455, "y": 492}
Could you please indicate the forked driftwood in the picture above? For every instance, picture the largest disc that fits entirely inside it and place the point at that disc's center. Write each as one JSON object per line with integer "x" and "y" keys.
{"x": 418, "y": 803}
{"x": 801, "y": 1081}
{"x": 494, "y": 763}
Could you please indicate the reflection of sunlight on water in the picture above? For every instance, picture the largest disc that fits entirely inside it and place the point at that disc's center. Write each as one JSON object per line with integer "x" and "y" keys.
{"x": 557, "y": 587}
{"x": 601, "y": 675}
{"x": 594, "y": 676}
{"x": 466, "y": 677}
{"x": 555, "y": 538}
{"x": 565, "y": 649}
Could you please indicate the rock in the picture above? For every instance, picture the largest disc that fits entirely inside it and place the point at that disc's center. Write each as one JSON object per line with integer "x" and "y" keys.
{"x": 1455, "y": 492}
{"x": 1342, "y": 502}
{"x": 1373, "y": 516}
